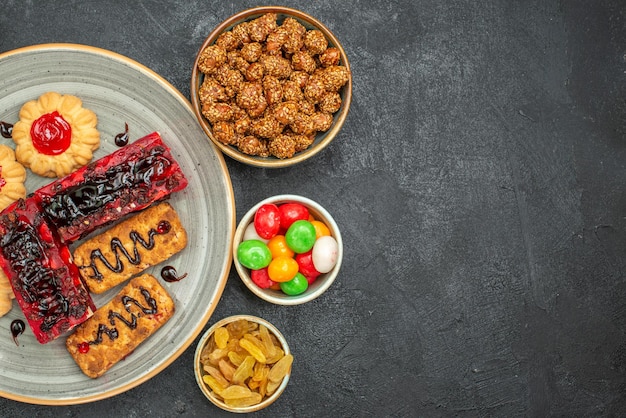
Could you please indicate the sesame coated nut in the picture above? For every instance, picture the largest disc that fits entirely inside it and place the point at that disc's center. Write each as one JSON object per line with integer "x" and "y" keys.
{"x": 283, "y": 146}
{"x": 330, "y": 57}
{"x": 224, "y": 132}
{"x": 330, "y": 102}
{"x": 211, "y": 59}
{"x": 315, "y": 42}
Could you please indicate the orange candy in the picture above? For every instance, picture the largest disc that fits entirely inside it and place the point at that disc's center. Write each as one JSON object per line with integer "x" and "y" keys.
{"x": 282, "y": 269}
{"x": 278, "y": 247}
{"x": 320, "y": 229}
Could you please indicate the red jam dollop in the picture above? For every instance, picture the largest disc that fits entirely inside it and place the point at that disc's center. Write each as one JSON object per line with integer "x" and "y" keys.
{"x": 51, "y": 134}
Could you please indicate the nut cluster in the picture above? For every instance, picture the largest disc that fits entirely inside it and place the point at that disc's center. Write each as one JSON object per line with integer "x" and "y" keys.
{"x": 269, "y": 88}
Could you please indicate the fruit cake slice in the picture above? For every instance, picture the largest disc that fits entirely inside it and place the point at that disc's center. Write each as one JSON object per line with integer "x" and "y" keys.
{"x": 45, "y": 281}
{"x": 125, "y": 181}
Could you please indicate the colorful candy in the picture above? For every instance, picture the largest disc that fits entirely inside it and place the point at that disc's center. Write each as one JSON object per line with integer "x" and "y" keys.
{"x": 306, "y": 267}
{"x": 267, "y": 220}
{"x": 261, "y": 278}
{"x": 296, "y": 286}
{"x": 250, "y": 233}
{"x": 291, "y": 212}
{"x": 254, "y": 254}
{"x": 286, "y": 248}
{"x": 278, "y": 246}
{"x": 325, "y": 254}
{"x": 282, "y": 269}
{"x": 300, "y": 236}
{"x": 320, "y": 228}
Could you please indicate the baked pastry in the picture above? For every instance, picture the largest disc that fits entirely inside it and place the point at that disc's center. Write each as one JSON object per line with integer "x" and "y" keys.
{"x": 118, "y": 327}
{"x": 128, "y": 248}
{"x": 46, "y": 284}
{"x": 6, "y": 294}
{"x": 12, "y": 176}
{"x": 125, "y": 181}
{"x": 55, "y": 134}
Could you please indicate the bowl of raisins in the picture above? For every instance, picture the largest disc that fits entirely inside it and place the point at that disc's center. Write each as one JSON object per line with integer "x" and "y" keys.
{"x": 287, "y": 249}
{"x": 271, "y": 86}
{"x": 242, "y": 363}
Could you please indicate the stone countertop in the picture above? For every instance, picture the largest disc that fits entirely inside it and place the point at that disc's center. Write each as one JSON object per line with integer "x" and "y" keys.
{"x": 479, "y": 184}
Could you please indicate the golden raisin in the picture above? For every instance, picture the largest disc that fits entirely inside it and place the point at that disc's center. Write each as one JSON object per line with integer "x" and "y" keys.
{"x": 244, "y": 370}
{"x": 254, "y": 350}
{"x": 280, "y": 369}
{"x": 221, "y": 337}
{"x": 253, "y": 399}
{"x": 235, "y": 392}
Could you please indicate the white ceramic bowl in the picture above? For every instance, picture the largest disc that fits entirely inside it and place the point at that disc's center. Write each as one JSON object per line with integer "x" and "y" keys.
{"x": 321, "y": 284}
{"x": 322, "y": 139}
{"x": 199, "y": 371}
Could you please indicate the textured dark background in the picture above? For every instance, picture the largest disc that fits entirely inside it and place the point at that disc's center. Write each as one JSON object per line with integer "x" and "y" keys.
{"x": 479, "y": 184}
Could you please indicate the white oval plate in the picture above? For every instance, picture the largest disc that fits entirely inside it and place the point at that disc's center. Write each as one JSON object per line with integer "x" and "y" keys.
{"x": 120, "y": 90}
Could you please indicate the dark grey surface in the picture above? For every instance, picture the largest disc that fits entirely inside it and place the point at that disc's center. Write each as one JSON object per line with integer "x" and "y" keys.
{"x": 479, "y": 184}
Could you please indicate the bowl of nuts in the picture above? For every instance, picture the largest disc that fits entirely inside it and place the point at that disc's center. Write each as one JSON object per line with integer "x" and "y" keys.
{"x": 242, "y": 363}
{"x": 287, "y": 249}
{"x": 271, "y": 86}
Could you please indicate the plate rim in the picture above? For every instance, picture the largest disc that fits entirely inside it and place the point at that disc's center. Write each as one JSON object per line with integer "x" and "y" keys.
{"x": 226, "y": 266}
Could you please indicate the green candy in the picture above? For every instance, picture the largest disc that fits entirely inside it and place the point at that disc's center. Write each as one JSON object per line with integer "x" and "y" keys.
{"x": 295, "y": 286}
{"x": 254, "y": 254}
{"x": 300, "y": 236}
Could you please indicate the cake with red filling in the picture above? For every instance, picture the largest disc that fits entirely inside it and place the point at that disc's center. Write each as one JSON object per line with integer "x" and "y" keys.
{"x": 125, "y": 181}
{"x": 45, "y": 281}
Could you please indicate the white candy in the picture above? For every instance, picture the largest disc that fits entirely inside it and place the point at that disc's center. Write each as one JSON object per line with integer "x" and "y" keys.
{"x": 325, "y": 254}
{"x": 250, "y": 233}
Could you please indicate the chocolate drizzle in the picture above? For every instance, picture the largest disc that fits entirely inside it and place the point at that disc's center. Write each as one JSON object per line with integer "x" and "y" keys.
{"x": 6, "y": 129}
{"x": 131, "y": 323}
{"x": 118, "y": 249}
{"x": 17, "y": 328}
{"x": 121, "y": 139}
{"x": 170, "y": 275}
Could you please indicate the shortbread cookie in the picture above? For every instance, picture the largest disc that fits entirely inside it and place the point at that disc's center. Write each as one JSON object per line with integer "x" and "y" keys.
{"x": 118, "y": 327}
{"x": 55, "y": 134}
{"x": 128, "y": 248}
{"x": 12, "y": 176}
{"x": 6, "y": 294}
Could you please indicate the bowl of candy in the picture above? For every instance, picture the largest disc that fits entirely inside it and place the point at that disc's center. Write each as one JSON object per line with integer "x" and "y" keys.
{"x": 242, "y": 363}
{"x": 287, "y": 249}
{"x": 271, "y": 86}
